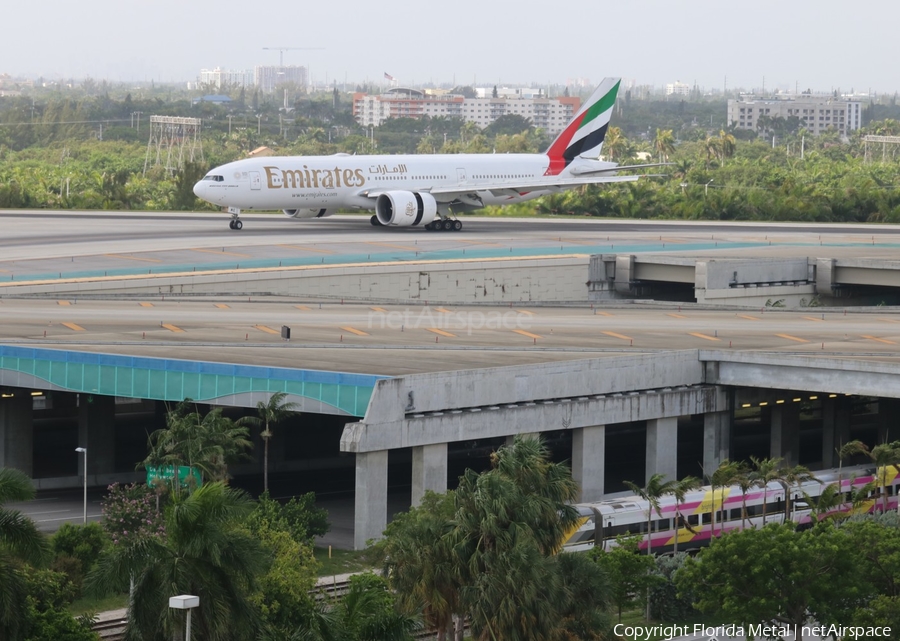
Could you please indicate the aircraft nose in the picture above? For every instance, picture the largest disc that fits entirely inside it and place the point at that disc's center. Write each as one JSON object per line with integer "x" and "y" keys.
{"x": 199, "y": 191}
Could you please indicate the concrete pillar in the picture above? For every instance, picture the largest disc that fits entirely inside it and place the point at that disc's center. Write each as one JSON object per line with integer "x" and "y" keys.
{"x": 888, "y": 411}
{"x": 784, "y": 440}
{"x": 429, "y": 470}
{"x": 589, "y": 461}
{"x": 17, "y": 432}
{"x": 97, "y": 432}
{"x": 716, "y": 440}
{"x": 662, "y": 447}
{"x": 835, "y": 428}
{"x": 370, "y": 510}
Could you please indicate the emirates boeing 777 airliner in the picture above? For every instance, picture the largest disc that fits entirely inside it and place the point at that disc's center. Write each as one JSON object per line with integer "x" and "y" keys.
{"x": 418, "y": 190}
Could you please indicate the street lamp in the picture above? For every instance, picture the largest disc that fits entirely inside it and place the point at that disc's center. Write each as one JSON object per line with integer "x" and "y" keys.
{"x": 83, "y": 450}
{"x": 185, "y": 602}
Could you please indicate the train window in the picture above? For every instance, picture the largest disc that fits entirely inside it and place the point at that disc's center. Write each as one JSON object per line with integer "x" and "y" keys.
{"x": 735, "y": 514}
{"x": 663, "y": 524}
{"x": 693, "y": 519}
{"x": 707, "y": 518}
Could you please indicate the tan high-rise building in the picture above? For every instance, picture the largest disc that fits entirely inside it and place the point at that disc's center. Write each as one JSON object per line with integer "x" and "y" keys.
{"x": 816, "y": 114}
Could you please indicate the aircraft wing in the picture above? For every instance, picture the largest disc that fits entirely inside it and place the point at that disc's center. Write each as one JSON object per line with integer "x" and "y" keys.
{"x": 587, "y": 170}
{"x": 550, "y": 184}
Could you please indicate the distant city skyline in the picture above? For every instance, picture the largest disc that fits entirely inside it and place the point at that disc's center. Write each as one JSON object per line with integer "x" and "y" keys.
{"x": 805, "y": 44}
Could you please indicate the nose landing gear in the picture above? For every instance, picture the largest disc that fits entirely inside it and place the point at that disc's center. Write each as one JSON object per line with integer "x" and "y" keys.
{"x": 235, "y": 222}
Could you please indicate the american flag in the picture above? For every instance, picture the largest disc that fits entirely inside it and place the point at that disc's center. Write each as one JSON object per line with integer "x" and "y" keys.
{"x": 388, "y": 76}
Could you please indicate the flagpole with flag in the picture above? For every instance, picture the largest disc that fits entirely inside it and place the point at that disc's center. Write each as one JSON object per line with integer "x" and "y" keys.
{"x": 390, "y": 78}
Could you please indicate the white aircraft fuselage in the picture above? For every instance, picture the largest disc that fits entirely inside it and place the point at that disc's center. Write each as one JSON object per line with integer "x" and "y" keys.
{"x": 345, "y": 182}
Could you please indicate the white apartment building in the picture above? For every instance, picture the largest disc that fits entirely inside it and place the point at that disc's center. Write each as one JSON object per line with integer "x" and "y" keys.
{"x": 817, "y": 114}
{"x": 267, "y": 78}
{"x": 678, "y": 88}
{"x": 221, "y": 77}
{"x": 550, "y": 114}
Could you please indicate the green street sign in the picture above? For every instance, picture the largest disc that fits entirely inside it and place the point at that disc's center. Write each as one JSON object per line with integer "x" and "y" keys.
{"x": 165, "y": 474}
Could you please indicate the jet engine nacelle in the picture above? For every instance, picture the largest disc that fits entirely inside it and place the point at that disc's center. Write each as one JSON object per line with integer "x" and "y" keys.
{"x": 405, "y": 208}
{"x": 307, "y": 213}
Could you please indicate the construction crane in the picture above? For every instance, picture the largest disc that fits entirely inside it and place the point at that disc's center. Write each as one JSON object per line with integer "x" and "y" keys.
{"x": 281, "y": 51}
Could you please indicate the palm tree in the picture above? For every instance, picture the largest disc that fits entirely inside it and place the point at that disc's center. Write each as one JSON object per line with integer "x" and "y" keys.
{"x": 20, "y": 541}
{"x": 727, "y": 145}
{"x": 664, "y": 143}
{"x": 206, "y": 552}
{"x": 766, "y": 470}
{"x": 508, "y": 524}
{"x": 679, "y": 491}
{"x": 614, "y": 145}
{"x": 723, "y": 476}
{"x": 419, "y": 561}
{"x": 652, "y": 493}
{"x": 823, "y": 506}
{"x": 269, "y": 413}
{"x": 793, "y": 476}
{"x": 745, "y": 479}
{"x": 883, "y": 456}
{"x": 208, "y": 443}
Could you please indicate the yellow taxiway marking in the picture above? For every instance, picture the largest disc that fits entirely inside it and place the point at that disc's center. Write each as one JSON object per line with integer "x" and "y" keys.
{"x": 614, "y": 335}
{"x": 267, "y": 330}
{"x": 64, "y": 303}
{"x": 222, "y": 306}
{"x": 813, "y": 318}
{"x": 442, "y": 310}
{"x": 478, "y": 242}
{"x": 146, "y": 304}
{"x": 146, "y": 260}
{"x": 393, "y": 246}
{"x": 674, "y": 241}
{"x": 440, "y": 331}
{"x": 74, "y": 327}
{"x": 353, "y": 330}
{"x": 378, "y": 309}
{"x": 889, "y": 320}
{"x": 602, "y": 313}
{"x": 308, "y": 249}
{"x": 525, "y": 311}
{"x": 575, "y": 242}
{"x": 880, "y": 340}
{"x": 172, "y": 328}
{"x": 302, "y": 307}
{"x": 792, "y": 338}
{"x": 703, "y": 336}
{"x": 676, "y": 315}
{"x": 221, "y": 253}
{"x": 528, "y": 334}
{"x": 747, "y": 317}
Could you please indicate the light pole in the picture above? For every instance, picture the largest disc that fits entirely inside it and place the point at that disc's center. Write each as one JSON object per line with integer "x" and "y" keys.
{"x": 83, "y": 450}
{"x": 185, "y": 602}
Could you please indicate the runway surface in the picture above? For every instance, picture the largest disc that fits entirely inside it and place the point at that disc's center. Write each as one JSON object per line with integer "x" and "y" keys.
{"x": 57, "y": 245}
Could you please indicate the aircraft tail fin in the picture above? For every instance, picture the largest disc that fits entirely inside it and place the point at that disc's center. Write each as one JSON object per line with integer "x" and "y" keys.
{"x": 584, "y": 135}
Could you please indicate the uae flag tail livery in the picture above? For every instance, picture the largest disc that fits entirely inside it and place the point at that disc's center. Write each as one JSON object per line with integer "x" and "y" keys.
{"x": 584, "y": 135}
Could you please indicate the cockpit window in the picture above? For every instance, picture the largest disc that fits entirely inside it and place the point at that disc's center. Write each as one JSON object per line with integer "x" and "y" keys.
{"x": 213, "y": 178}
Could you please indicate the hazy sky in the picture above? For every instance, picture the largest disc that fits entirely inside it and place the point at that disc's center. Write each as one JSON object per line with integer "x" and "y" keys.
{"x": 818, "y": 44}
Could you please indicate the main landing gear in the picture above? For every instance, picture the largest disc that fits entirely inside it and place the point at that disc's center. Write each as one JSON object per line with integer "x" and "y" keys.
{"x": 444, "y": 224}
{"x": 375, "y": 222}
